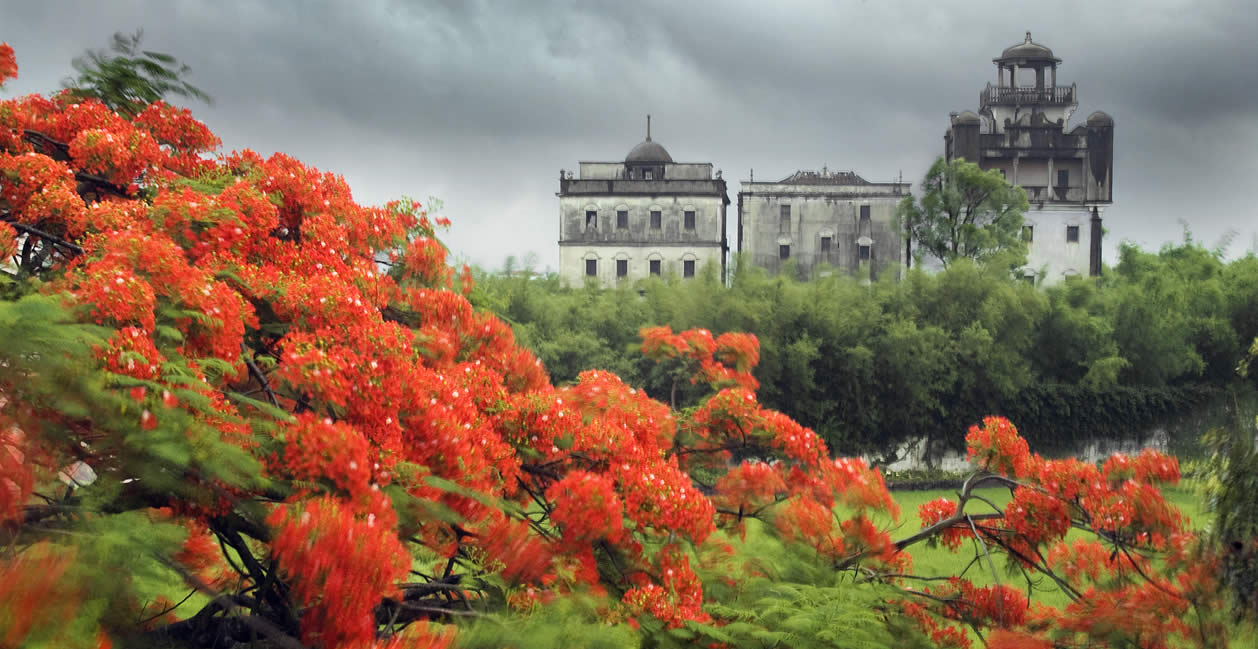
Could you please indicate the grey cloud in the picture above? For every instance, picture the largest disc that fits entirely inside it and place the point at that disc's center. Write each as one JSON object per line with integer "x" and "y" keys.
{"x": 482, "y": 102}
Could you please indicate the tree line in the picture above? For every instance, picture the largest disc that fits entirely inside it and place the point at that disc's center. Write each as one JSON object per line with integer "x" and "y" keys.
{"x": 870, "y": 366}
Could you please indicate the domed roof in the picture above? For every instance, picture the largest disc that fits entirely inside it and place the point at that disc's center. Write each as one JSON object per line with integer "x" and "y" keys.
{"x": 648, "y": 151}
{"x": 967, "y": 117}
{"x": 1100, "y": 118}
{"x": 1028, "y": 50}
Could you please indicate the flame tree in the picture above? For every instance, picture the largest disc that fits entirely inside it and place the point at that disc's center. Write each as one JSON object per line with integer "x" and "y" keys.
{"x": 223, "y": 424}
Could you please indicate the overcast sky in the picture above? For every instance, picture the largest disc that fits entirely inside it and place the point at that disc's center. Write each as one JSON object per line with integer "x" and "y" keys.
{"x": 481, "y": 103}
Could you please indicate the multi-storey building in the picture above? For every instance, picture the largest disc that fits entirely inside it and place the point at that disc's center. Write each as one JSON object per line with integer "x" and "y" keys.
{"x": 820, "y": 220}
{"x": 1022, "y": 128}
{"x": 645, "y": 215}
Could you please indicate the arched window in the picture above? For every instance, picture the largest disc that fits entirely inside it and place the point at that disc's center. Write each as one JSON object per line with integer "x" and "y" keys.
{"x": 689, "y": 265}
{"x": 622, "y": 265}
{"x": 655, "y": 264}
{"x": 591, "y": 264}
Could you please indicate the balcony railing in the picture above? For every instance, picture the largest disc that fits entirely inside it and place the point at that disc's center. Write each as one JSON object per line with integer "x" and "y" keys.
{"x": 1004, "y": 96}
{"x": 1038, "y": 193}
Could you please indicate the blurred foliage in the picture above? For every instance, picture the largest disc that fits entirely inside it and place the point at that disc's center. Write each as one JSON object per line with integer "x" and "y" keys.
{"x": 127, "y": 78}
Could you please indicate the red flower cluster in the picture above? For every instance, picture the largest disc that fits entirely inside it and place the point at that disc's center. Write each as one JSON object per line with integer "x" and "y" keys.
{"x": 8, "y": 243}
{"x": 998, "y": 448}
{"x": 942, "y": 509}
{"x": 17, "y": 479}
{"x": 1036, "y": 516}
{"x": 721, "y": 361}
{"x": 676, "y": 598}
{"x": 340, "y": 564}
{"x": 8, "y": 64}
{"x": 587, "y": 509}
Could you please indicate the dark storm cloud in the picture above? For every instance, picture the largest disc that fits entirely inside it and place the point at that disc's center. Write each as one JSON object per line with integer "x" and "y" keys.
{"x": 480, "y": 103}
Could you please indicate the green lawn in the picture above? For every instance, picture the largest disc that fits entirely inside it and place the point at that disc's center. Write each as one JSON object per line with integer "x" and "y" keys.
{"x": 939, "y": 561}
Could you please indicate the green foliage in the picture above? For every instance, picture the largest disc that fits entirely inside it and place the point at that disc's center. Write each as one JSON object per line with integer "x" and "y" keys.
{"x": 966, "y": 213}
{"x": 130, "y": 78}
{"x": 572, "y": 621}
{"x": 113, "y": 531}
{"x": 1231, "y": 480}
{"x": 781, "y": 595}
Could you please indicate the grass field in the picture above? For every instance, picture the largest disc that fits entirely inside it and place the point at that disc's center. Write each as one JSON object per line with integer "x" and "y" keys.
{"x": 939, "y": 561}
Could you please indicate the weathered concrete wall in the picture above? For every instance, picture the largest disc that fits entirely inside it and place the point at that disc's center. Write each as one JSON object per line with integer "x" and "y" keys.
{"x": 572, "y": 261}
{"x": 671, "y": 241}
{"x": 672, "y": 171}
{"x": 1050, "y": 255}
{"x": 818, "y": 212}
{"x": 914, "y": 453}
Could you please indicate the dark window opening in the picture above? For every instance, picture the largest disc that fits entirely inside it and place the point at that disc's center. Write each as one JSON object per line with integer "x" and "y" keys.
{"x": 622, "y": 267}
{"x": 655, "y": 267}
{"x": 689, "y": 217}
{"x": 1072, "y": 234}
{"x": 864, "y": 214}
{"x": 591, "y": 267}
{"x": 656, "y": 220}
{"x": 864, "y": 253}
{"x": 1029, "y": 279}
{"x": 622, "y": 220}
{"x": 784, "y": 252}
{"x": 591, "y": 220}
{"x": 1028, "y": 233}
{"x": 1063, "y": 177}
{"x": 826, "y": 243}
{"x": 1004, "y": 175}
{"x": 688, "y": 268}
{"x": 784, "y": 220}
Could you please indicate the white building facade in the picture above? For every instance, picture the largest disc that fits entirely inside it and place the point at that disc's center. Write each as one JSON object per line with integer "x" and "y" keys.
{"x": 1023, "y": 129}
{"x": 620, "y": 222}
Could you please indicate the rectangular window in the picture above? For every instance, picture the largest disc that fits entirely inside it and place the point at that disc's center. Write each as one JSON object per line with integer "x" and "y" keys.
{"x": 1028, "y": 233}
{"x": 826, "y": 243}
{"x": 591, "y": 220}
{"x": 647, "y": 174}
{"x": 688, "y": 268}
{"x": 864, "y": 214}
{"x": 1004, "y": 175}
{"x": 1063, "y": 177}
{"x": 622, "y": 220}
{"x": 784, "y": 219}
{"x": 864, "y": 253}
{"x": 591, "y": 267}
{"x": 622, "y": 268}
{"x": 1029, "y": 279}
{"x": 656, "y": 220}
{"x": 784, "y": 252}
{"x": 1072, "y": 234}
{"x": 655, "y": 267}
{"x": 689, "y": 218}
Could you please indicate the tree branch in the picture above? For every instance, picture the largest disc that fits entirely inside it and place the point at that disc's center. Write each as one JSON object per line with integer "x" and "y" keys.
{"x": 50, "y": 238}
{"x": 257, "y": 374}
